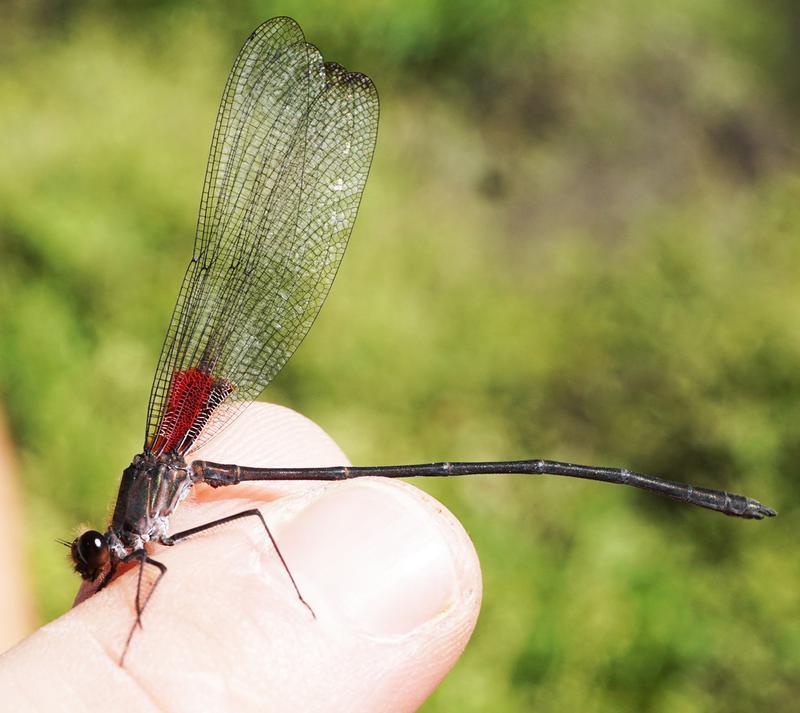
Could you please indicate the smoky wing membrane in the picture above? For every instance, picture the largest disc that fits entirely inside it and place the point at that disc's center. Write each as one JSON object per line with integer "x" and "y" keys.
{"x": 289, "y": 159}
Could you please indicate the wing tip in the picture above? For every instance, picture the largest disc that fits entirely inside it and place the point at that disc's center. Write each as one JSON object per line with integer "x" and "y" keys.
{"x": 272, "y": 25}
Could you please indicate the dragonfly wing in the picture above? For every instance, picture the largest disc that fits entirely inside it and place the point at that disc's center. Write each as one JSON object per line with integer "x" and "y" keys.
{"x": 291, "y": 152}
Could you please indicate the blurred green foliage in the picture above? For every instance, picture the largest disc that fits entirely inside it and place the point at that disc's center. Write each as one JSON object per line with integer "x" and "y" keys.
{"x": 579, "y": 241}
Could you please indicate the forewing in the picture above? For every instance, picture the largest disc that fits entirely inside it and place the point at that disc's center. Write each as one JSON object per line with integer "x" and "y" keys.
{"x": 289, "y": 159}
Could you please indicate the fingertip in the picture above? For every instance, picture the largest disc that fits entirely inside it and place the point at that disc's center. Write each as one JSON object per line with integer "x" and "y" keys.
{"x": 384, "y": 554}
{"x": 390, "y": 572}
{"x": 398, "y": 575}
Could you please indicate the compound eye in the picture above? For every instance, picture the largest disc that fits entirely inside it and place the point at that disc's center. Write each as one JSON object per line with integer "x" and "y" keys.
{"x": 92, "y": 549}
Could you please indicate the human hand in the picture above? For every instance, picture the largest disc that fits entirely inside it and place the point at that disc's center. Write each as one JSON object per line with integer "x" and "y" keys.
{"x": 391, "y": 576}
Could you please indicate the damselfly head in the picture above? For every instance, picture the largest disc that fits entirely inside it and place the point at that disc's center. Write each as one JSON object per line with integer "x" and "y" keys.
{"x": 90, "y": 553}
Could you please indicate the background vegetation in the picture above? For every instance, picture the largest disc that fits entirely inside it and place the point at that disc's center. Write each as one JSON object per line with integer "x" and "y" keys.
{"x": 579, "y": 241}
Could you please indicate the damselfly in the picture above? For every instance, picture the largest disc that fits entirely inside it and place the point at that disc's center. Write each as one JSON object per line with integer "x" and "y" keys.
{"x": 290, "y": 154}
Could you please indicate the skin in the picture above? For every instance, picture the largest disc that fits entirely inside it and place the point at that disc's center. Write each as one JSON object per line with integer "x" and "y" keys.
{"x": 392, "y": 577}
{"x": 16, "y": 610}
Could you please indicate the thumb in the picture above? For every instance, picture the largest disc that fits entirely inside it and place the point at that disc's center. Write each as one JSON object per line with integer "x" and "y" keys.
{"x": 391, "y": 576}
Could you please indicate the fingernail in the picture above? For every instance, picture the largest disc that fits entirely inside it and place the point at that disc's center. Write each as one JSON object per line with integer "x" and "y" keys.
{"x": 374, "y": 553}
